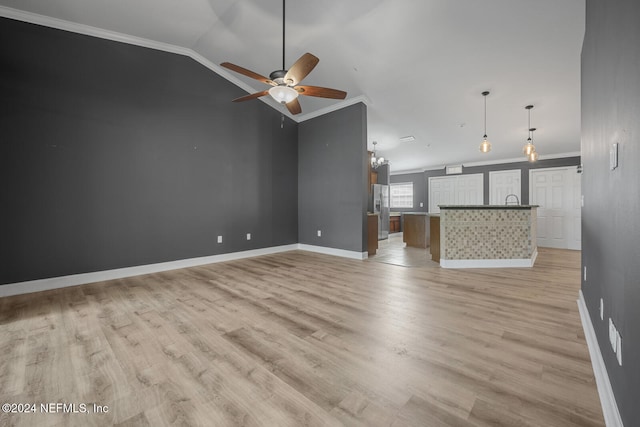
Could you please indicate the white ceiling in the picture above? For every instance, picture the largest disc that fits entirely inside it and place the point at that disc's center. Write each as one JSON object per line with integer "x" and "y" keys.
{"x": 420, "y": 65}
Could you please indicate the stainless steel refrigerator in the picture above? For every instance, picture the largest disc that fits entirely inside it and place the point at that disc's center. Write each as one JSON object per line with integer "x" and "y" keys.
{"x": 381, "y": 207}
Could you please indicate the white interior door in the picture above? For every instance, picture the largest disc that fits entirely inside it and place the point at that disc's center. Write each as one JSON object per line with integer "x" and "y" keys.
{"x": 469, "y": 189}
{"x": 441, "y": 192}
{"x": 455, "y": 190}
{"x": 554, "y": 190}
{"x": 503, "y": 183}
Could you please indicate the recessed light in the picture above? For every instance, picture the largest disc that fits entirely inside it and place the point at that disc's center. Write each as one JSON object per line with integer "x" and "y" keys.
{"x": 408, "y": 138}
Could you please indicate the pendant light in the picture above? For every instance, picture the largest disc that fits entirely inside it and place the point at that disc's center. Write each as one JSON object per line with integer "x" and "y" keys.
{"x": 485, "y": 146}
{"x": 529, "y": 147}
{"x": 376, "y": 161}
{"x": 533, "y": 155}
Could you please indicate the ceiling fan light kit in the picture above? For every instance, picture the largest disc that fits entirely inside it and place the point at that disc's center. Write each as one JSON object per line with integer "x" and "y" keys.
{"x": 285, "y": 83}
{"x": 283, "y": 94}
{"x": 485, "y": 146}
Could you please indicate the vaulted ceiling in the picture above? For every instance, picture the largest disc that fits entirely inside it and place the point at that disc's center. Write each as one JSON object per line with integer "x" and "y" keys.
{"x": 419, "y": 65}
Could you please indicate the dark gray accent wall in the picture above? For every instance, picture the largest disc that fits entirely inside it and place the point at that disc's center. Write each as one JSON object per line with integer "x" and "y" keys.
{"x": 421, "y": 180}
{"x": 610, "y": 225}
{"x": 115, "y": 155}
{"x": 384, "y": 172}
{"x": 332, "y": 179}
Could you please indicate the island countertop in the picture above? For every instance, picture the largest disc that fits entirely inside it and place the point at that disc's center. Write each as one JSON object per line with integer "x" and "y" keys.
{"x": 487, "y": 206}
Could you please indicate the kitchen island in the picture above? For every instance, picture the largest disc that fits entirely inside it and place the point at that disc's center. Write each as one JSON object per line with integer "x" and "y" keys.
{"x": 488, "y": 236}
{"x": 415, "y": 231}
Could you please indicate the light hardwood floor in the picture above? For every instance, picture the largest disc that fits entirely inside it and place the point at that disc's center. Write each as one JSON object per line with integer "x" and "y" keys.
{"x": 302, "y": 339}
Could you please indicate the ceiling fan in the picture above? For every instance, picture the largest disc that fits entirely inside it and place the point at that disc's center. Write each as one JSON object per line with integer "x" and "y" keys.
{"x": 286, "y": 83}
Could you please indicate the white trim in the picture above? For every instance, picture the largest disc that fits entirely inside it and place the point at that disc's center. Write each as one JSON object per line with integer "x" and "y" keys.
{"x": 607, "y": 399}
{"x": 522, "y": 159}
{"x": 48, "y": 284}
{"x": 74, "y": 27}
{"x": 490, "y": 162}
{"x": 333, "y": 107}
{"x": 489, "y": 263}
{"x": 332, "y": 251}
{"x": 119, "y": 273}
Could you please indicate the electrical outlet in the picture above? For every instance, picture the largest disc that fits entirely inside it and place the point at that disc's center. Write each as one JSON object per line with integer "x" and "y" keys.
{"x": 219, "y": 239}
{"x": 585, "y": 273}
{"x": 619, "y": 348}
{"x": 601, "y": 309}
{"x": 248, "y": 236}
{"x": 421, "y": 205}
{"x": 319, "y": 233}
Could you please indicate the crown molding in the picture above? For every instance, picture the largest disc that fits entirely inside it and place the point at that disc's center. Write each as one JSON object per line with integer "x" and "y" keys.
{"x": 87, "y": 30}
{"x": 74, "y": 27}
{"x": 334, "y": 107}
{"x": 521, "y": 159}
{"x": 491, "y": 162}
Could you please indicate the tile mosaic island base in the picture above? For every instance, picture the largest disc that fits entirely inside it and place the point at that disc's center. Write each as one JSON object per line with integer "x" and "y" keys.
{"x": 488, "y": 236}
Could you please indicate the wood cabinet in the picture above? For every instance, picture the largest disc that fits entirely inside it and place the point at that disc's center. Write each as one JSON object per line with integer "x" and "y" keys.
{"x": 394, "y": 224}
{"x": 415, "y": 232}
{"x": 372, "y": 233}
{"x": 434, "y": 230}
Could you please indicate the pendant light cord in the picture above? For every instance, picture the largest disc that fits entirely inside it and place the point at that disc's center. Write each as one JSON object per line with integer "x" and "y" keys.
{"x": 485, "y": 116}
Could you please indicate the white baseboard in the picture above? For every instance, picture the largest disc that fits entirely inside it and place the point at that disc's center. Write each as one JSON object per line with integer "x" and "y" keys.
{"x": 607, "y": 399}
{"x": 332, "y": 251}
{"x": 119, "y": 273}
{"x": 489, "y": 263}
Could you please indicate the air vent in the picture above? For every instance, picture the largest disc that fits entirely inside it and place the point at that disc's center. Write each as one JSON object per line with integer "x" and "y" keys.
{"x": 454, "y": 169}
{"x": 408, "y": 138}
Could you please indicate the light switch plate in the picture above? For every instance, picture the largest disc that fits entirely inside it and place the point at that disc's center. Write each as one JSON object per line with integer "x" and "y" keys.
{"x": 613, "y": 156}
{"x": 612, "y": 335}
{"x": 248, "y": 236}
{"x": 219, "y": 239}
{"x": 601, "y": 309}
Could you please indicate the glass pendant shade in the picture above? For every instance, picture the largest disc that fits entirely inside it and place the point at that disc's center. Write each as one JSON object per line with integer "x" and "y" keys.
{"x": 283, "y": 94}
{"x": 528, "y": 148}
{"x": 485, "y": 146}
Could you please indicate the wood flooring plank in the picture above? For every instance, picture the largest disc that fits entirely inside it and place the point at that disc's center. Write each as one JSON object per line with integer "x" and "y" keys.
{"x": 303, "y": 339}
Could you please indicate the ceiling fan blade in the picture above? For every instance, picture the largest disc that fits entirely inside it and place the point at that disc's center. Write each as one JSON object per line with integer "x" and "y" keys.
{"x": 294, "y": 106}
{"x": 252, "y": 96}
{"x": 248, "y": 73}
{"x": 321, "y": 92}
{"x": 300, "y": 69}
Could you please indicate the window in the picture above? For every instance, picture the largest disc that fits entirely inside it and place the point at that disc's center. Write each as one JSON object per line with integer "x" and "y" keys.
{"x": 402, "y": 195}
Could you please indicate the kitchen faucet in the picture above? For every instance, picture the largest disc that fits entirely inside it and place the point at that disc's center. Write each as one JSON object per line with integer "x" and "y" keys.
{"x": 506, "y": 199}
